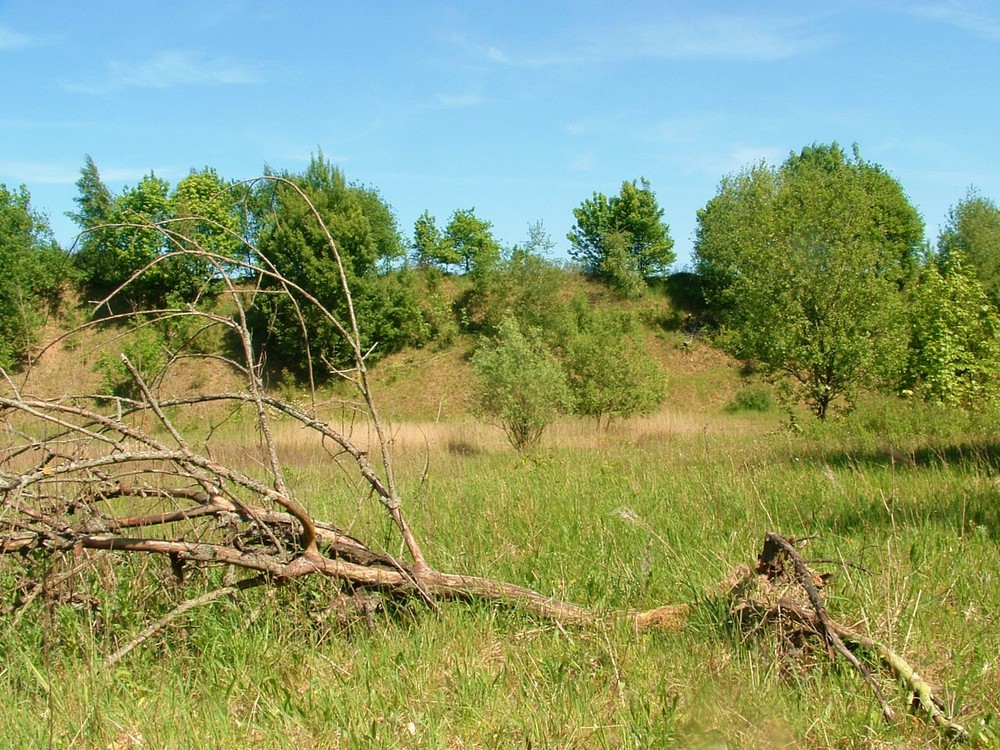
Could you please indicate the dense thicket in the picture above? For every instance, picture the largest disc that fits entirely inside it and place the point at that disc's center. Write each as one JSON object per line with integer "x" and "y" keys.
{"x": 597, "y": 349}
{"x": 954, "y": 353}
{"x": 973, "y": 231}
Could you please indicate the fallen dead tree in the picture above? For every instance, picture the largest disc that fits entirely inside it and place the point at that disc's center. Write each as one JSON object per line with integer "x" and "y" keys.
{"x": 91, "y": 476}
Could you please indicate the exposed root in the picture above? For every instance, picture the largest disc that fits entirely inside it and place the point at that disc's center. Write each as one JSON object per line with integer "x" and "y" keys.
{"x": 814, "y": 619}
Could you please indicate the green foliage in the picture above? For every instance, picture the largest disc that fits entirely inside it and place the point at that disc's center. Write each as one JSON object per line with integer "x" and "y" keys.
{"x": 754, "y": 399}
{"x": 137, "y": 233}
{"x": 738, "y": 222}
{"x": 620, "y": 268}
{"x": 145, "y": 348}
{"x": 973, "y": 230}
{"x": 207, "y": 215}
{"x": 430, "y": 246}
{"x": 610, "y": 372}
{"x": 522, "y": 387}
{"x": 803, "y": 267}
{"x": 955, "y": 337}
{"x": 470, "y": 238}
{"x": 295, "y": 335}
{"x": 622, "y": 239}
{"x": 761, "y": 210}
{"x": 33, "y": 274}
{"x": 525, "y": 284}
{"x": 120, "y": 238}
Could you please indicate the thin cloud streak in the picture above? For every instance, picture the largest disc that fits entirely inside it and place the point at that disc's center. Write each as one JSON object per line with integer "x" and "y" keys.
{"x": 972, "y": 17}
{"x": 10, "y": 39}
{"x": 713, "y": 37}
{"x": 457, "y": 101}
{"x": 168, "y": 69}
{"x": 40, "y": 173}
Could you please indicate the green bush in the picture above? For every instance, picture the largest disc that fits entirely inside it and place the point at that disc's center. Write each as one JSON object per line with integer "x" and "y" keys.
{"x": 146, "y": 350}
{"x": 522, "y": 387}
{"x": 754, "y": 398}
{"x": 610, "y": 372}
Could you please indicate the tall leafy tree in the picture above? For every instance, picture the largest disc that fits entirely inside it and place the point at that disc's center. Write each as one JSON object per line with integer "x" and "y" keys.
{"x": 622, "y": 239}
{"x": 748, "y": 215}
{"x": 142, "y": 227}
{"x": 804, "y": 268}
{"x": 119, "y": 237}
{"x": 973, "y": 231}
{"x": 33, "y": 273}
{"x": 738, "y": 222}
{"x": 471, "y": 238}
{"x": 368, "y": 242}
{"x": 207, "y": 214}
{"x": 430, "y": 245}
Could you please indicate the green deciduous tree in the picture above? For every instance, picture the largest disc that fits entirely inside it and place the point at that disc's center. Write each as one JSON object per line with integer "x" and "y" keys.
{"x": 471, "y": 238}
{"x": 973, "y": 230}
{"x": 804, "y": 266}
{"x": 611, "y": 374}
{"x": 140, "y": 230}
{"x": 33, "y": 274}
{"x": 622, "y": 239}
{"x": 522, "y": 387}
{"x": 760, "y": 208}
{"x": 738, "y": 222}
{"x": 954, "y": 356}
{"x": 120, "y": 238}
{"x": 209, "y": 214}
{"x": 430, "y": 245}
{"x": 296, "y": 336}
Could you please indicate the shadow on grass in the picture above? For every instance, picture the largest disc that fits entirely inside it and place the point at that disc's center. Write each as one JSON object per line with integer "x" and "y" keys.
{"x": 969, "y": 509}
{"x": 967, "y": 514}
{"x": 981, "y": 457}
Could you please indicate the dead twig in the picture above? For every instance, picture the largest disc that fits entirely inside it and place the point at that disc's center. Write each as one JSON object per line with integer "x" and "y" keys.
{"x": 153, "y": 628}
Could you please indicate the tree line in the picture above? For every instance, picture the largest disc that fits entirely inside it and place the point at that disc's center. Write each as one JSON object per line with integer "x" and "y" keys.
{"x": 816, "y": 272}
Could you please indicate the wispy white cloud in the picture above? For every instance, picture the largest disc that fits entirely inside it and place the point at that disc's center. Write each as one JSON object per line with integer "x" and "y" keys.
{"x": 10, "y": 39}
{"x": 168, "y": 69}
{"x": 585, "y": 162}
{"x": 977, "y": 18}
{"x": 750, "y": 38}
{"x": 37, "y": 173}
{"x": 708, "y": 163}
{"x": 726, "y": 37}
{"x": 745, "y": 156}
{"x": 41, "y": 173}
{"x": 455, "y": 101}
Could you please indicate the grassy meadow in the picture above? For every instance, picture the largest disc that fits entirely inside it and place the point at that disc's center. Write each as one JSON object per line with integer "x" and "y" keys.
{"x": 903, "y": 501}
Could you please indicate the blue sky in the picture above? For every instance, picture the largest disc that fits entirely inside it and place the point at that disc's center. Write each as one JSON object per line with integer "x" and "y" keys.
{"x": 519, "y": 109}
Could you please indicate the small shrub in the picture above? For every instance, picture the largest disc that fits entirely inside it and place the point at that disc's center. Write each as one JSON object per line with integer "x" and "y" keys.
{"x": 146, "y": 350}
{"x": 522, "y": 387}
{"x": 753, "y": 398}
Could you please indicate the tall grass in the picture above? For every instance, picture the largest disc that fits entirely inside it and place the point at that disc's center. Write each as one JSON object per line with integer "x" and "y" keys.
{"x": 903, "y": 504}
